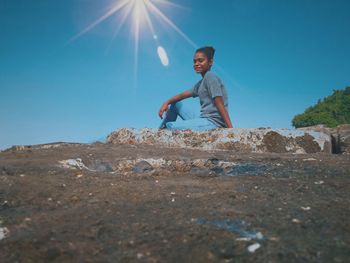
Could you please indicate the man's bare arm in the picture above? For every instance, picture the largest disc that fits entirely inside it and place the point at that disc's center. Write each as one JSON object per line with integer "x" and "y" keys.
{"x": 219, "y": 103}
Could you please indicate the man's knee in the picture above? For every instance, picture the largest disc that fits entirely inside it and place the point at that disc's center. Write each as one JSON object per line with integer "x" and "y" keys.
{"x": 178, "y": 105}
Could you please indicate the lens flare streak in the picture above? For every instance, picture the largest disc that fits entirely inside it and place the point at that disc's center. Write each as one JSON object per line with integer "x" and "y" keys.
{"x": 163, "y": 56}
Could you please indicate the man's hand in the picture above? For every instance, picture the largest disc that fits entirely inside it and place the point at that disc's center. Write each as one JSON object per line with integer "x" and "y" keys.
{"x": 163, "y": 109}
{"x": 176, "y": 98}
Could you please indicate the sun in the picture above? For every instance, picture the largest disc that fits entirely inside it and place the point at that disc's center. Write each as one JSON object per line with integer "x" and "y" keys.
{"x": 140, "y": 13}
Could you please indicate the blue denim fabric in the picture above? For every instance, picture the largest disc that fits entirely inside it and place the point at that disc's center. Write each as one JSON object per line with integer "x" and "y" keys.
{"x": 188, "y": 120}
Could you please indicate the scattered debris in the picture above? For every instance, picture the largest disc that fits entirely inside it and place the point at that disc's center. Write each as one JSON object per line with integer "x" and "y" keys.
{"x": 248, "y": 168}
{"x": 234, "y": 226}
{"x": 74, "y": 164}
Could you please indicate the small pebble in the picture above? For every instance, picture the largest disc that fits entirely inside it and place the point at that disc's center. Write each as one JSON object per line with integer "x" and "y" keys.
{"x": 309, "y": 159}
{"x": 254, "y": 247}
{"x": 3, "y": 232}
{"x": 307, "y": 208}
{"x": 259, "y": 235}
{"x": 243, "y": 239}
{"x": 319, "y": 182}
{"x": 296, "y": 221}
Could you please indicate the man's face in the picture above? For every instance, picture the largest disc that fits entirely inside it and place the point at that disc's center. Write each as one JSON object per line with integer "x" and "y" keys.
{"x": 201, "y": 64}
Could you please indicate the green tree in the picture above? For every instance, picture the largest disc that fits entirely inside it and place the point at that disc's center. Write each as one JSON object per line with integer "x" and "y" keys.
{"x": 331, "y": 111}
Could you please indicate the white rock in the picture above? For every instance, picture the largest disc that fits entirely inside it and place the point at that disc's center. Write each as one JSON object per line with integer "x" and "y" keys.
{"x": 243, "y": 239}
{"x": 3, "y": 232}
{"x": 319, "y": 182}
{"x": 307, "y": 208}
{"x": 254, "y": 247}
{"x": 309, "y": 159}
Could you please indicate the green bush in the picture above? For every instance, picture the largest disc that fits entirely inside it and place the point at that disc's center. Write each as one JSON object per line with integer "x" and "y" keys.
{"x": 331, "y": 111}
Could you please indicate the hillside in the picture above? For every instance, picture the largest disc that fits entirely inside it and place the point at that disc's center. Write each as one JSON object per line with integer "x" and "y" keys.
{"x": 331, "y": 111}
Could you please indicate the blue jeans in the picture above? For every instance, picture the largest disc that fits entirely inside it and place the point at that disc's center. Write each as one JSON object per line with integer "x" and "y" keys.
{"x": 188, "y": 120}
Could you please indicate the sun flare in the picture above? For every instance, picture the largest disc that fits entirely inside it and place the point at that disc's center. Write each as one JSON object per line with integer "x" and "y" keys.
{"x": 140, "y": 14}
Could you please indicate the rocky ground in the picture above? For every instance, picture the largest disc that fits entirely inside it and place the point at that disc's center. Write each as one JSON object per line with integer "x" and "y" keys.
{"x": 126, "y": 203}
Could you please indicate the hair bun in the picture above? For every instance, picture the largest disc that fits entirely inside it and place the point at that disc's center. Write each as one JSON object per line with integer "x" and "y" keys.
{"x": 209, "y": 51}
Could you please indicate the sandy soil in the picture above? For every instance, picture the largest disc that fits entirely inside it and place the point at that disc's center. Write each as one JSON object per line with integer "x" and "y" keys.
{"x": 269, "y": 208}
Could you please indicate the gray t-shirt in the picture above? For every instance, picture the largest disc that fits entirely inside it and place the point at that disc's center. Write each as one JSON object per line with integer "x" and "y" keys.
{"x": 207, "y": 89}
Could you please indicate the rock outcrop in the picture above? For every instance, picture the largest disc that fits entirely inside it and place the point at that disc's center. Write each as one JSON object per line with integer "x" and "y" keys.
{"x": 340, "y": 136}
{"x": 238, "y": 140}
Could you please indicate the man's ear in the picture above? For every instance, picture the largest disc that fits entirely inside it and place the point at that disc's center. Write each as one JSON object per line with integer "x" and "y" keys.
{"x": 211, "y": 62}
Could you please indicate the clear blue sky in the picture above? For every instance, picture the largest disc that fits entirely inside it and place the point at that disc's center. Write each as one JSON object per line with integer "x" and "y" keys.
{"x": 276, "y": 59}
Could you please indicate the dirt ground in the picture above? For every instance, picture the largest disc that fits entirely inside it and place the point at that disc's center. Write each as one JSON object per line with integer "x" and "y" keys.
{"x": 267, "y": 208}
